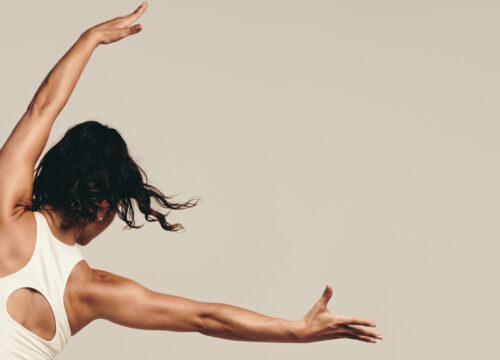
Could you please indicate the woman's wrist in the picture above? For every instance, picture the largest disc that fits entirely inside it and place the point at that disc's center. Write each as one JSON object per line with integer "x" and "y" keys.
{"x": 91, "y": 37}
{"x": 298, "y": 330}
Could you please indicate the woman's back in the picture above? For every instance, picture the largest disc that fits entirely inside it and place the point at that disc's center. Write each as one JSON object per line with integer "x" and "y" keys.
{"x": 34, "y": 323}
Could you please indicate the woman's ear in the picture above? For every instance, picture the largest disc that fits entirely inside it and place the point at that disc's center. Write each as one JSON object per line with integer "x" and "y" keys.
{"x": 101, "y": 213}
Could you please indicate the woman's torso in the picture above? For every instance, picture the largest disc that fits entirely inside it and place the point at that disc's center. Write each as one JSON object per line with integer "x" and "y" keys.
{"x": 39, "y": 277}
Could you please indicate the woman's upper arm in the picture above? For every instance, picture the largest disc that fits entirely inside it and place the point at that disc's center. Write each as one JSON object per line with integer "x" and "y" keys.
{"x": 128, "y": 303}
{"x": 18, "y": 157}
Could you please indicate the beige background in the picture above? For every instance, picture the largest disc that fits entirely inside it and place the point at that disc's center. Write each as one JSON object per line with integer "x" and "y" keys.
{"x": 354, "y": 143}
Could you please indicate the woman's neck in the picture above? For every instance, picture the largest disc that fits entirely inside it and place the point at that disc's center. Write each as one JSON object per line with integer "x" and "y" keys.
{"x": 55, "y": 220}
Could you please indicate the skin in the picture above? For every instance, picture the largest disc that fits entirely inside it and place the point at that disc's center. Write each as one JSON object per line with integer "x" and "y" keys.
{"x": 92, "y": 294}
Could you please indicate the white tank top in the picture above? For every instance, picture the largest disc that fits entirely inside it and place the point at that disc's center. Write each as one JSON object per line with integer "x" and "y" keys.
{"x": 47, "y": 272}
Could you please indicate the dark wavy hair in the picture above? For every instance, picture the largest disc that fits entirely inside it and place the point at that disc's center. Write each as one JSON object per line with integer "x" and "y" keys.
{"x": 91, "y": 163}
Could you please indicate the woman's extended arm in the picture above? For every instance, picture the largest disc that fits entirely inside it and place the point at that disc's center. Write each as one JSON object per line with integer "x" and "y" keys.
{"x": 103, "y": 295}
{"x": 23, "y": 147}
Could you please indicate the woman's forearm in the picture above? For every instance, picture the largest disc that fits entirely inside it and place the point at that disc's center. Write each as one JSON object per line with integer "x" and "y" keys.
{"x": 60, "y": 82}
{"x": 234, "y": 323}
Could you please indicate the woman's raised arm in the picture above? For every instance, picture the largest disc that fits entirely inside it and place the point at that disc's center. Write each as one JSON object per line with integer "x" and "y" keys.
{"x": 26, "y": 142}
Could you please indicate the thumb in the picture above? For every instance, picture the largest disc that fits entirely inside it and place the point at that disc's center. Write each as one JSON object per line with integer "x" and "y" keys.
{"x": 327, "y": 294}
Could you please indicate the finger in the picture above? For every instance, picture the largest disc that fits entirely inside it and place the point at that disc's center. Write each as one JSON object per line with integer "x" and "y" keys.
{"x": 133, "y": 29}
{"x": 122, "y": 33}
{"x": 360, "y": 331}
{"x": 131, "y": 18}
{"x": 360, "y": 337}
{"x": 357, "y": 321}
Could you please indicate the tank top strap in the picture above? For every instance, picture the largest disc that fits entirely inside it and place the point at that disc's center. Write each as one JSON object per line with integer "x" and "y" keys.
{"x": 57, "y": 260}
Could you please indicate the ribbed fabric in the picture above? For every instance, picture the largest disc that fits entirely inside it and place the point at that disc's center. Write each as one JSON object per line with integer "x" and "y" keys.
{"x": 47, "y": 272}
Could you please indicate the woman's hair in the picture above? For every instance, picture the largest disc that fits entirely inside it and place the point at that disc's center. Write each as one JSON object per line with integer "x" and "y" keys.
{"x": 91, "y": 163}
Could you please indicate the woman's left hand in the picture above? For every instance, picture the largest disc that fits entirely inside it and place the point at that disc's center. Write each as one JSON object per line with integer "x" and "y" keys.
{"x": 118, "y": 27}
{"x": 320, "y": 324}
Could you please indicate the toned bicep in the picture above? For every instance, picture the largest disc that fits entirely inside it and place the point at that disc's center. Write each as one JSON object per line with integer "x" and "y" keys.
{"x": 128, "y": 303}
{"x": 18, "y": 157}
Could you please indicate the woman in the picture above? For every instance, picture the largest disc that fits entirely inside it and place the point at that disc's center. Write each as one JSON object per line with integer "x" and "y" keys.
{"x": 48, "y": 292}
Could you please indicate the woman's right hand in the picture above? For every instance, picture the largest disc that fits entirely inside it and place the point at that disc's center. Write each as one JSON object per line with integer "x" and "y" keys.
{"x": 118, "y": 27}
{"x": 320, "y": 324}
